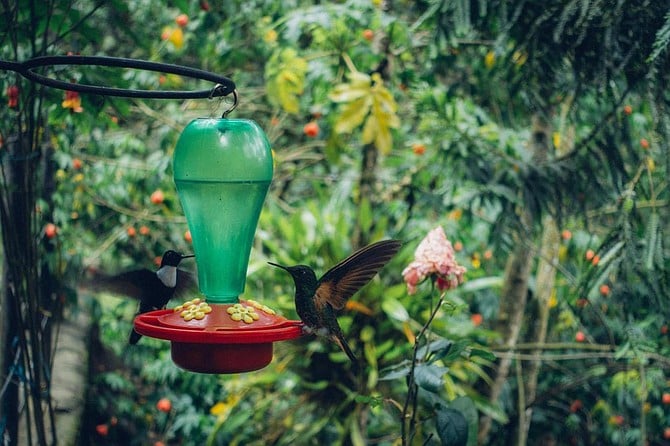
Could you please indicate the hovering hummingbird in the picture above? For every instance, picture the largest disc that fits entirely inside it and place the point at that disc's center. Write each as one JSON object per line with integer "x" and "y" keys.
{"x": 152, "y": 288}
{"x": 316, "y": 301}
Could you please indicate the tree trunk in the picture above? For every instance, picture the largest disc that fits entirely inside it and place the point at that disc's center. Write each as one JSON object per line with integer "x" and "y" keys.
{"x": 510, "y": 318}
{"x": 544, "y": 286}
{"x": 517, "y": 275}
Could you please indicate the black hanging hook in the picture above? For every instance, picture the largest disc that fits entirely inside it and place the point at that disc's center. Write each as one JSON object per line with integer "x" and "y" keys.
{"x": 224, "y": 87}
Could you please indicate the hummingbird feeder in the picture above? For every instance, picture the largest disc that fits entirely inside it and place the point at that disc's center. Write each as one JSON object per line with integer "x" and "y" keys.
{"x": 222, "y": 170}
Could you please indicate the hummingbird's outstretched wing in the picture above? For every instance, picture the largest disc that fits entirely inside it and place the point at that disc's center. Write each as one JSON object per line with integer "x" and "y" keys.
{"x": 130, "y": 283}
{"x": 344, "y": 279}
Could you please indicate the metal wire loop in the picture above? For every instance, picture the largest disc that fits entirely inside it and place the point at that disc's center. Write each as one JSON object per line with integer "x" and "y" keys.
{"x": 224, "y": 86}
{"x": 232, "y": 107}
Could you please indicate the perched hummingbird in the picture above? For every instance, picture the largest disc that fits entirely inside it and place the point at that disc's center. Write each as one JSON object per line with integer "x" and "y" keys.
{"x": 152, "y": 288}
{"x": 316, "y": 301}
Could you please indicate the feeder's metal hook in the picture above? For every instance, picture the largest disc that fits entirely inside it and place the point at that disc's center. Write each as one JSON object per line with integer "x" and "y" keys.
{"x": 232, "y": 107}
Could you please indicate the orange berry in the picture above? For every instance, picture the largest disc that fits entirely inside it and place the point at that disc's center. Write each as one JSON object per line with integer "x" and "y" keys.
{"x": 566, "y": 234}
{"x": 627, "y": 109}
{"x": 131, "y": 231}
{"x": 368, "y": 35}
{"x": 159, "y": 443}
{"x": 458, "y": 246}
{"x": 488, "y": 254}
{"x": 311, "y": 129}
{"x": 418, "y": 148}
{"x": 187, "y": 236}
{"x": 590, "y": 254}
{"x": 617, "y": 420}
{"x": 580, "y": 336}
{"x": 164, "y": 405}
{"x": 157, "y": 196}
{"x": 476, "y": 319}
{"x": 595, "y": 260}
{"x": 665, "y": 398}
{"x": 666, "y": 433}
{"x": 604, "y": 289}
{"x": 76, "y": 164}
{"x": 644, "y": 143}
{"x": 144, "y": 230}
{"x": 181, "y": 20}
{"x": 50, "y": 230}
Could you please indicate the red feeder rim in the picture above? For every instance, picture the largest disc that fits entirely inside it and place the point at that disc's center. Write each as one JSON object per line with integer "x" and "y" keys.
{"x": 223, "y": 338}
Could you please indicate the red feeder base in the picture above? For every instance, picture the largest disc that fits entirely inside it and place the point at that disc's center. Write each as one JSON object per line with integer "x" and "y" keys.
{"x": 217, "y": 343}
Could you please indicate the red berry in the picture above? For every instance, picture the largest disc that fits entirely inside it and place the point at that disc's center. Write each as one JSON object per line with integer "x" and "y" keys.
{"x": 595, "y": 260}
{"x": 666, "y": 398}
{"x": 204, "y": 5}
{"x": 644, "y": 143}
{"x": 576, "y": 405}
{"x": 131, "y": 231}
{"x": 76, "y": 164}
{"x": 102, "y": 430}
{"x": 581, "y": 302}
{"x": 580, "y": 336}
{"x": 627, "y": 109}
{"x": 164, "y": 405}
{"x": 50, "y": 230}
{"x": 187, "y": 236}
{"x": 144, "y": 230}
{"x": 12, "y": 96}
{"x": 604, "y": 289}
{"x": 311, "y": 129}
{"x": 181, "y": 20}
{"x": 157, "y": 196}
{"x": 664, "y": 329}
{"x": 566, "y": 234}
{"x": 368, "y": 35}
{"x": 590, "y": 254}
{"x": 666, "y": 433}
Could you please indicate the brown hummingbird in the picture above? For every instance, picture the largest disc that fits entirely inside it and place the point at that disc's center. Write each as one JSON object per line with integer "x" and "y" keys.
{"x": 316, "y": 301}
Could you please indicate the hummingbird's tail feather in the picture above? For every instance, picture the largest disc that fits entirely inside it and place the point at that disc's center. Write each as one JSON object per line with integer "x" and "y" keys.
{"x": 342, "y": 343}
{"x": 134, "y": 337}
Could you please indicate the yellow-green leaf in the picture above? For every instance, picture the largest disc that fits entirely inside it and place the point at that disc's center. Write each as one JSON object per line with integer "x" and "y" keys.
{"x": 369, "y": 103}
{"x": 285, "y": 74}
{"x": 352, "y": 116}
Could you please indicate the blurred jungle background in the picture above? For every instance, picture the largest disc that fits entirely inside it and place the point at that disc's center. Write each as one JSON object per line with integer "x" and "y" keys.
{"x": 535, "y": 133}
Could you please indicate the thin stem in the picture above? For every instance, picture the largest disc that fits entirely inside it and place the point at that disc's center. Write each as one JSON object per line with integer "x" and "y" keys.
{"x": 407, "y": 426}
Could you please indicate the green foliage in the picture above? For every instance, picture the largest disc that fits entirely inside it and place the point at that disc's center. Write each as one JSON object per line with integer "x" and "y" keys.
{"x": 451, "y": 94}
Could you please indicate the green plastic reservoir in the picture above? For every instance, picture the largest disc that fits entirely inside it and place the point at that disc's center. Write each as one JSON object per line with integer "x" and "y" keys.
{"x": 222, "y": 170}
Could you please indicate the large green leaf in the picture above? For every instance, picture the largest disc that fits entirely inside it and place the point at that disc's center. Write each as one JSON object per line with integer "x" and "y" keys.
{"x": 452, "y": 427}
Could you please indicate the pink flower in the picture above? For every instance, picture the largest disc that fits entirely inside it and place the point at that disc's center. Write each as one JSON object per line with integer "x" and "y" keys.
{"x": 434, "y": 257}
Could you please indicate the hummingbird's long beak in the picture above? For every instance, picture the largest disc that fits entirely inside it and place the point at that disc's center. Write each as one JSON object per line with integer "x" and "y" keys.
{"x": 278, "y": 266}
{"x": 187, "y": 256}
